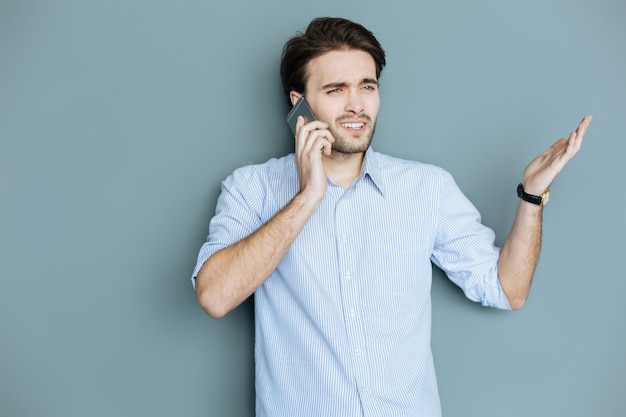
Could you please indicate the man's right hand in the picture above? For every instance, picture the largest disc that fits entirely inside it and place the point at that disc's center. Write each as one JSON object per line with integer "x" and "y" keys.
{"x": 313, "y": 143}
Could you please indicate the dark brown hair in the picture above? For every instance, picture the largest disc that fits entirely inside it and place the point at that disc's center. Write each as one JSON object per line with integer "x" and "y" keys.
{"x": 324, "y": 34}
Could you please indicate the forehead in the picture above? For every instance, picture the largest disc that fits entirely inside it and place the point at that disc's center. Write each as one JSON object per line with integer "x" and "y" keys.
{"x": 342, "y": 66}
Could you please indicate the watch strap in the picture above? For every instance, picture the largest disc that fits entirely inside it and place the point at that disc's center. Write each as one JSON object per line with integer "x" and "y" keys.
{"x": 535, "y": 199}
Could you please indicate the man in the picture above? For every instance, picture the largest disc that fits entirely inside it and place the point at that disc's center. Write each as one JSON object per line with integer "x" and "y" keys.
{"x": 336, "y": 242}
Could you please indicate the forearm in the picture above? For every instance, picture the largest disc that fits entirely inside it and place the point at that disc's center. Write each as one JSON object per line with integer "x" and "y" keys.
{"x": 232, "y": 274}
{"x": 520, "y": 253}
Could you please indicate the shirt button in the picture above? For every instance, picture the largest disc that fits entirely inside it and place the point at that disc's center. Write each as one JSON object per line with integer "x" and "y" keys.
{"x": 357, "y": 351}
{"x": 352, "y": 312}
{"x": 348, "y": 275}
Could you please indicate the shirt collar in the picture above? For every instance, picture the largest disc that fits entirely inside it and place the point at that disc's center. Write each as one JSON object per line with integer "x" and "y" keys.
{"x": 371, "y": 169}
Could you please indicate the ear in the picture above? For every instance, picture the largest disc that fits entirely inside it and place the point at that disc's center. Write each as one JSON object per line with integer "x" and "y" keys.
{"x": 294, "y": 96}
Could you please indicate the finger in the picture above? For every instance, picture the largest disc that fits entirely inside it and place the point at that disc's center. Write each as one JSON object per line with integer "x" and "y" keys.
{"x": 573, "y": 145}
{"x": 584, "y": 123}
{"x": 574, "y": 141}
{"x": 582, "y": 128}
{"x": 327, "y": 147}
{"x": 556, "y": 144}
{"x": 576, "y": 137}
{"x": 319, "y": 140}
{"x": 304, "y": 130}
{"x": 306, "y": 134}
{"x": 300, "y": 134}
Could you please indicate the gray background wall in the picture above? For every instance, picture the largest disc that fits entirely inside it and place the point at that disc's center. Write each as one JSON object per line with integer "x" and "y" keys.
{"x": 119, "y": 119}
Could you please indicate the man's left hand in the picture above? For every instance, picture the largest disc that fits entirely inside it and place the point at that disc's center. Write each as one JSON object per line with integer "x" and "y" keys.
{"x": 540, "y": 173}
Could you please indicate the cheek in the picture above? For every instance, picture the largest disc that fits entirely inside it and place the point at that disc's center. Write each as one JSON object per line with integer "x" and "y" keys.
{"x": 374, "y": 105}
{"x": 327, "y": 114}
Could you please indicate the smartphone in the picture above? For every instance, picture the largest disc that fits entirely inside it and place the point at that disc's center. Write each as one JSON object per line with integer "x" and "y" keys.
{"x": 301, "y": 108}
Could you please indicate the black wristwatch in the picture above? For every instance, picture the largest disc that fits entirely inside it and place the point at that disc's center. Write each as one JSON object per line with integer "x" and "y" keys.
{"x": 540, "y": 200}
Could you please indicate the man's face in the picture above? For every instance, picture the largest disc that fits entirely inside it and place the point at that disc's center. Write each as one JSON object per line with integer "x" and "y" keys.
{"x": 342, "y": 91}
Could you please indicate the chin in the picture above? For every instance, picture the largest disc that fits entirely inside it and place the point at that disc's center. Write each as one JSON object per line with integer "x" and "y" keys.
{"x": 351, "y": 148}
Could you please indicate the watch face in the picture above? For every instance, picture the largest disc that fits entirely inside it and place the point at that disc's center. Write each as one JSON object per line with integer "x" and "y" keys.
{"x": 545, "y": 197}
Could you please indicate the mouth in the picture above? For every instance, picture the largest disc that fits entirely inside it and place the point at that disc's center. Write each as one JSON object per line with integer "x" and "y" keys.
{"x": 353, "y": 125}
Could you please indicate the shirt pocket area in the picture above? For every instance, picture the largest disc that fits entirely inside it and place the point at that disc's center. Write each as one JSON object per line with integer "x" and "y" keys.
{"x": 397, "y": 241}
{"x": 402, "y": 265}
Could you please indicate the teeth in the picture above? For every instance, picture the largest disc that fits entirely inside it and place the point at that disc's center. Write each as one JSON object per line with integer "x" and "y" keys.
{"x": 352, "y": 125}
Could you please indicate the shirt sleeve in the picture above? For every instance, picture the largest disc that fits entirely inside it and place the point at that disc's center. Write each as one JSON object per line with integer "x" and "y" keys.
{"x": 464, "y": 248}
{"x": 236, "y": 214}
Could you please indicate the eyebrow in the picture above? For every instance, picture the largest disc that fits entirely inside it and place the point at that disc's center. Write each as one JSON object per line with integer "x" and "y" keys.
{"x": 344, "y": 84}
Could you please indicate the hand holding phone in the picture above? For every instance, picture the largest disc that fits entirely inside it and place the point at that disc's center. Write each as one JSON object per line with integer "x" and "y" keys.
{"x": 310, "y": 150}
{"x": 301, "y": 108}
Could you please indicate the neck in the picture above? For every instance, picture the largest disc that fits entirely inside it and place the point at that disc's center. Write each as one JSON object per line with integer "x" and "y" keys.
{"x": 343, "y": 168}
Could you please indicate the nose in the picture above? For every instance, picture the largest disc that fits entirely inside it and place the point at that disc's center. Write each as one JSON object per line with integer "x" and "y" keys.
{"x": 354, "y": 102}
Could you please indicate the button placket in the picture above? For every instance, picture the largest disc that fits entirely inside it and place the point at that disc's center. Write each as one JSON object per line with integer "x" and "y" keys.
{"x": 350, "y": 292}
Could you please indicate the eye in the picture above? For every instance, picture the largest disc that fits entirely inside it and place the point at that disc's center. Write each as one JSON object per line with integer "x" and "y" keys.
{"x": 334, "y": 91}
{"x": 369, "y": 87}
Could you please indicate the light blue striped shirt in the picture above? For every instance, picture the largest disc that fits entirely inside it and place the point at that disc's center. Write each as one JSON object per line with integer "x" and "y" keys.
{"x": 342, "y": 326}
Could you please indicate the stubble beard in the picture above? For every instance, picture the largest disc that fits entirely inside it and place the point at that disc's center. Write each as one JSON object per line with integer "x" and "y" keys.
{"x": 355, "y": 145}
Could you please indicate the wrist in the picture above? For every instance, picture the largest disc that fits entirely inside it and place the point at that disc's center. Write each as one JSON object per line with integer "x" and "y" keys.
{"x": 540, "y": 199}
{"x": 308, "y": 200}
